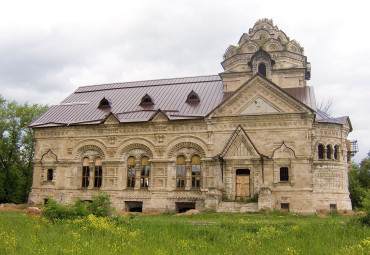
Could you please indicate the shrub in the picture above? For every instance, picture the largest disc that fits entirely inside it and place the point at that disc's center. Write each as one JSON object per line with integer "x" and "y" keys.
{"x": 99, "y": 207}
{"x": 53, "y": 211}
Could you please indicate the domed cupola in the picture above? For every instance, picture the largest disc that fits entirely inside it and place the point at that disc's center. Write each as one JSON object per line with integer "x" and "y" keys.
{"x": 266, "y": 50}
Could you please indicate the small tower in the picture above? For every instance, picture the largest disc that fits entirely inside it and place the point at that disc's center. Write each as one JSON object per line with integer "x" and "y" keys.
{"x": 268, "y": 51}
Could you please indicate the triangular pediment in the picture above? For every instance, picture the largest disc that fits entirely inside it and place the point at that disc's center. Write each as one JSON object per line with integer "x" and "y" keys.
{"x": 259, "y": 106}
{"x": 259, "y": 96}
{"x": 239, "y": 145}
{"x": 111, "y": 119}
{"x": 159, "y": 116}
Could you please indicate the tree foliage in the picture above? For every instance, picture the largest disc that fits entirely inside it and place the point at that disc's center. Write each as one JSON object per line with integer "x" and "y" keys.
{"x": 359, "y": 182}
{"x": 16, "y": 149}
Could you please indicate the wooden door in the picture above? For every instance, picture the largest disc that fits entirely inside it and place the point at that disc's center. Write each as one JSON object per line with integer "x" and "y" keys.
{"x": 242, "y": 186}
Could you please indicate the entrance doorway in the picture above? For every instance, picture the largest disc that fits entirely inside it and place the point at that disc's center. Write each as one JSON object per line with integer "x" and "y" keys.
{"x": 242, "y": 183}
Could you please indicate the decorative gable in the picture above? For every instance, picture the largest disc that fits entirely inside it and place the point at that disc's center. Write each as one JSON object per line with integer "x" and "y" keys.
{"x": 259, "y": 106}
{"x": 239, "y": 145}
{"x": 259, "y": 95}
{"x": 111, "y": 119}
{"x": 159, "y": 116}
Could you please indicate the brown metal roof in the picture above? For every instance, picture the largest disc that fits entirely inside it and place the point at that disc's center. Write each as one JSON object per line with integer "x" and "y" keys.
{"x": 304, "y": 94}
{"x": 169, "y": 95}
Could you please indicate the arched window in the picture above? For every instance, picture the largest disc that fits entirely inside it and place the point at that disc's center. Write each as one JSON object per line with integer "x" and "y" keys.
{"x": 195, "y": 172}
{"x": 131, "y": 172}
{"x": 145, "y": 169}
{"x": 181, "y": 172}
{"x": 336, "y": 152}
{"x": 85, "y": 172}
{"x": 321, "y": 151}
{"x": 284, "y": 174}
{"x": 98, "y": 174}
{"x": 329, "y": 151}
{"x": 262, "y": 69}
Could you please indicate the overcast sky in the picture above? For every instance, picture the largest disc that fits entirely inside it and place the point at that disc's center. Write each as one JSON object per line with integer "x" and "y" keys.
{"x": 48, "y": 48}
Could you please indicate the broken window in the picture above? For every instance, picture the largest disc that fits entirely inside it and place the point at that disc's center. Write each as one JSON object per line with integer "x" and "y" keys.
{"x": 131, "y": 171}
{"x": 284, "y": 207}
{"x": 50, "y": 174}
{"x": 284, "y": 174}
{"x": 321, "y": 151}
{"x": 329, "y": 151}
{"x": 98, "y": 176}
{"x": 180, "y": 173}
{"x": 85, "y": 173}
{"x": 336, "y": 152}
{"x": 145, "y": 169}
{"x": 182, "y": 207}
{"x": 262, "y": 69}
{"x": 333, "y": 207}
{"x": 134, "y": 206}
{"x": 195, "y": 172}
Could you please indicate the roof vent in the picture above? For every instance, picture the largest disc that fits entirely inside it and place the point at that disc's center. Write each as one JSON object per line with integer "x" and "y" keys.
{"x": 193, "y": 97}
{"x": 146, "y": 100}
{"x": 104, "y": 103}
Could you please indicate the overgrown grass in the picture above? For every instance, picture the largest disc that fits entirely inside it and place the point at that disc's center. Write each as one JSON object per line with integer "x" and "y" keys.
{"x": 205, "y": 233}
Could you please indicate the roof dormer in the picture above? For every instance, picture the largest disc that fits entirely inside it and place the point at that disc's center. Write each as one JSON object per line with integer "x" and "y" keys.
{"x": 104, "y": 103}
{"x": 193, "y": 97}
{"x": 146, "y": 100}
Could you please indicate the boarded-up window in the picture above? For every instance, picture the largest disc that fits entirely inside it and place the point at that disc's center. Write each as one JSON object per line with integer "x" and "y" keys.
{"x": 195, "y": 172}
{"x": 85, "y": 172}
{"x": 145, "y": 170}
{"x": 98, "y": 176}
{"x": 180, "y": 173}
{"x": 131, "y": 171}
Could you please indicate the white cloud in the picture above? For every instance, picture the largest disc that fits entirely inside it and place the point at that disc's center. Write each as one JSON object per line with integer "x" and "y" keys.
{"x": 49, "y": 48}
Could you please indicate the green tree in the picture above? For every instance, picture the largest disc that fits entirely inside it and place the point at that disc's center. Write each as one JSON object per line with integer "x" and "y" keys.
{"x": 359, "y": 182}
{"x": 16, "y": 149}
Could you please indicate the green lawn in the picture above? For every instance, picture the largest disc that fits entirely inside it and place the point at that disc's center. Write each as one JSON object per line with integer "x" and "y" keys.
{"x": 205, "y": 233}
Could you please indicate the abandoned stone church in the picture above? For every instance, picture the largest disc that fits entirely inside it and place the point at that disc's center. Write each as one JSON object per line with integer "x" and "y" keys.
{"x": 206, "y": 142}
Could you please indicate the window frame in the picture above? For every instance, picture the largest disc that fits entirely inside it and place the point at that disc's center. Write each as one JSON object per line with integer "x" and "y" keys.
{"x": 144, "y": 178}
{"x": 131, "y": 173}
{"x": 196, "y": 175}
{"x": 284, "y": 174}
{"x": 180, "y": 173}
{"x": 98, "y": 174}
